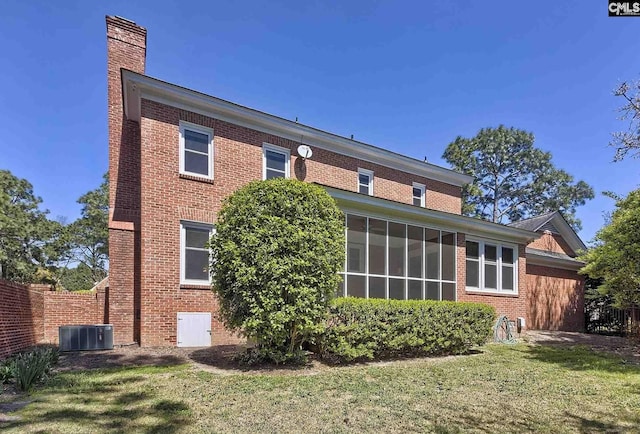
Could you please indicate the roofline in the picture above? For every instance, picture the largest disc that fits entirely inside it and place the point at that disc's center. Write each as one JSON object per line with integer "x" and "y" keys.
{"x": 468, "y": 225}
{"x": 565, "y": 230}
{"x": 569, "y": 234}
{"x": 136, "y": 86}
{"x": 549, "y": 214}
{"x": 568, "y": 263}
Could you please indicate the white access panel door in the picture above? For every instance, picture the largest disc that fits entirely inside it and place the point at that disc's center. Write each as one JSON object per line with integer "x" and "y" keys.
{"x": 194, "y": 329}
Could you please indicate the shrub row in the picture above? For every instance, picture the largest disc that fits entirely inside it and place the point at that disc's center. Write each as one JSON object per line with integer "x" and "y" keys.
{"x": 361, "y": 329}
{"x": 29, "y": 367}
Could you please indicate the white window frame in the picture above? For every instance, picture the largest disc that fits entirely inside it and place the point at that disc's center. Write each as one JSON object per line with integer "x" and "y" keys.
{"x": 273, "y": 148}
{"x": 184, "y": 224}
{"x": 481, "y": 262}
{"x": 423, "y": 189}
{"x": 368, "y": 173}
{"x": 202, "y": 130}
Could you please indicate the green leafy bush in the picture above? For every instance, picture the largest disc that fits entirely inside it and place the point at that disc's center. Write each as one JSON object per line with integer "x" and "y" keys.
{"x": 360, "y": 329}
{"x": 32, "y": 366}
{"x": 275, "y": 256}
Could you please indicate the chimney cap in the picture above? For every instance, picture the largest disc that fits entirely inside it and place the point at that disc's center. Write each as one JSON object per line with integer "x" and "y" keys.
{"x": 124, "y": 19}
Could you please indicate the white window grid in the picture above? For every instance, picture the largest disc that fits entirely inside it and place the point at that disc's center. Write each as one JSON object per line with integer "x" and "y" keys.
{"x": 420, "y": 198}
{"x": 184, "y": 224}
{"x": 369, "y": 185}
{"x": 280, "y": 150}
{"x": 187, "y": 126}
{"x": 406, "y": 278}
{"x": 498, "y": 263}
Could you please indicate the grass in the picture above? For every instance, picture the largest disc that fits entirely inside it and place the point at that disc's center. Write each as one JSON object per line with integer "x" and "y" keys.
{"x": 521, "y": 388}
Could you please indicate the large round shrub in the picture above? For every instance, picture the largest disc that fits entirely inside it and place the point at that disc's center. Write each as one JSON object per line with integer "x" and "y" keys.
{"x": 275, "y": 256}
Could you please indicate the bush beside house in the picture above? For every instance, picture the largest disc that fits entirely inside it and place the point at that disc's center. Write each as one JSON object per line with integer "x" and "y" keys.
{"x": 367, "y": 329}
{"x": 278, "y": 247}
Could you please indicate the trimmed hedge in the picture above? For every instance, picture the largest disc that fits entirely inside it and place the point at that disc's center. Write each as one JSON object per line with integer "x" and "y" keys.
{"x": 367, "y": 329}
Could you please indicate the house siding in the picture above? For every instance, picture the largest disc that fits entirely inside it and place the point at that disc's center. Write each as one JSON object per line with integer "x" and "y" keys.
{"x": 149, "y": 198}
{"x": 552, "y": 243}
{"x": 167, "y": 197}
{"x": 556, "y": 298}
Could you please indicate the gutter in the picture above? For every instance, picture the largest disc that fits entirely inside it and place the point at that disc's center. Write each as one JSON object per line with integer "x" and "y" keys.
{"x": 137, "y": 86}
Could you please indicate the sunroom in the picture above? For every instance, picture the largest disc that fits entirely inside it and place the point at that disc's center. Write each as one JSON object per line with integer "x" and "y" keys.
{"x": 406, "y": 252}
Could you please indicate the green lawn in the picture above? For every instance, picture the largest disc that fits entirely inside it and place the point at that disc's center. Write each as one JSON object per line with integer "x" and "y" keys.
{"x": 521, "y": 388}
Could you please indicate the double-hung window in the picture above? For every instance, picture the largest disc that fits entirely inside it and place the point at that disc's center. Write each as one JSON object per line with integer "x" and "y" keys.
{"x": 275, "y": 161}
{"x": 194, "y": 253}
{"x": 419, "y": 194}
{"x": 196, "y": 150}
{"x": 491, "y": 266}
{"x": 365, "y": 181}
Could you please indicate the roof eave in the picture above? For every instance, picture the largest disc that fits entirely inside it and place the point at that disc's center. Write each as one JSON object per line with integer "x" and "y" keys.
{"x": 533, "y": 258}
{"x": 564, "y": 228}
{"x": 359, "y": 202}
{"x": 136, "y": 86}
{"x": 567, "y": 232}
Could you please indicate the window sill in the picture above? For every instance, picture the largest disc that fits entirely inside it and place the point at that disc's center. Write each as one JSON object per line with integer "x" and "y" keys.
{"x": 196, "y": 178}
{"x": 492, "y": 293}
{"x": 194, "y": 286}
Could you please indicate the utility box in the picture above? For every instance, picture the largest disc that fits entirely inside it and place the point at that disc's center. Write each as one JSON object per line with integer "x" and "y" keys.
{"x": 86, "y": 337}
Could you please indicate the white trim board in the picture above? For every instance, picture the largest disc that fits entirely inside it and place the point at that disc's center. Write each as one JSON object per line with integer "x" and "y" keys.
{"x": 382, "y": 208}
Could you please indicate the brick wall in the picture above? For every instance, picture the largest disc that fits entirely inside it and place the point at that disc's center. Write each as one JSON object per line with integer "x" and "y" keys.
{"x": 552, "y": 243}
{"x": 556, "y": 299}
{"x": 238, "y": 160}
{"x": 167, "y": 198}
{"x": 548, "y": 298}
{"x": 70, "y": 308}
{"x": 124, "y": 284}
{"x": 32, "y": 314}
{"x": 21, "y": 314}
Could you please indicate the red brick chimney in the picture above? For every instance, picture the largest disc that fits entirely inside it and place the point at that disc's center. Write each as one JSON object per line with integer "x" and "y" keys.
{"x": 126, "y": 49}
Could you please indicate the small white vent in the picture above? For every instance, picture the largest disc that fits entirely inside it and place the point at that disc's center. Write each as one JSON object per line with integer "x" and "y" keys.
{"x": 549, "y": 226}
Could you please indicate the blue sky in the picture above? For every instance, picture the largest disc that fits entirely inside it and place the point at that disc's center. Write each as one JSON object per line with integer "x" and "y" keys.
{"x": 407, "y": 76}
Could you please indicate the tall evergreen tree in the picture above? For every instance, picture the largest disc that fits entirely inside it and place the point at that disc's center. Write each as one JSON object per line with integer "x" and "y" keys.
{"x": 513, "y": 179}
{"x": 30, "y": 243}
{"x": 90, "y": 233}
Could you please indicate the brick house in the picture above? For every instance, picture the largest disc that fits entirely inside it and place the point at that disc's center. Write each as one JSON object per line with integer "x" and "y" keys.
{"x": 175, "y": 154}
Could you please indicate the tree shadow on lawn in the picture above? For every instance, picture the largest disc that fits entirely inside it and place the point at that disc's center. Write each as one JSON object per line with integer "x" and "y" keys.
{"x": 625, "y": 348}
{"x": 601, "y": 422}
{"x": 69, "y": 404}
{"x": 222, "y": 357}
{"x": 513, "y": 419}
{"x": 83, "y": 360}
{"x": 581, "y": 358}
